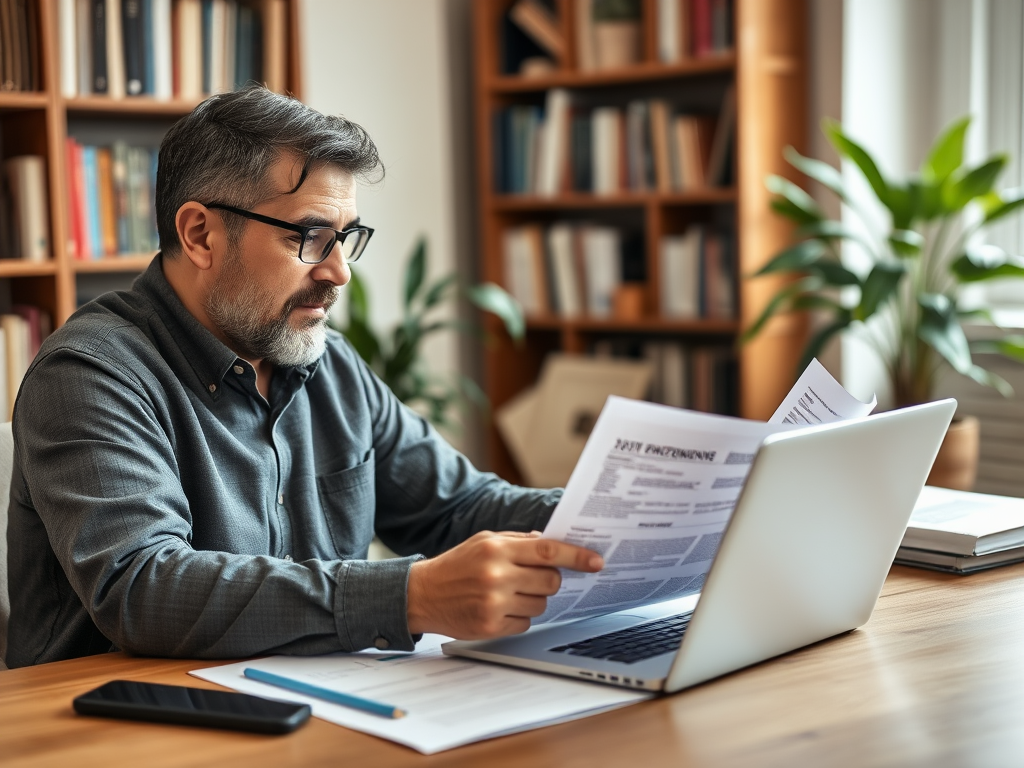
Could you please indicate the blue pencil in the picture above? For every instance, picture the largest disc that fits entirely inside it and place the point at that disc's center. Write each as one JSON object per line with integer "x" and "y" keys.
{"x": 346, "y": 700}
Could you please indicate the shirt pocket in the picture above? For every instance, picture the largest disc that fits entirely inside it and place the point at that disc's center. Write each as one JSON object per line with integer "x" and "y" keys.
{"x": 349, "y": 503}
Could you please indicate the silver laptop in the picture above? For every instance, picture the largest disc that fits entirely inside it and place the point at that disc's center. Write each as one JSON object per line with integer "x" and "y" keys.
{"x": 803, "y": 558}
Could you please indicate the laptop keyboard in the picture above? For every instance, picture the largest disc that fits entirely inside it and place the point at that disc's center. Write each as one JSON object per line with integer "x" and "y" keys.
{"x": 644, "y": 641}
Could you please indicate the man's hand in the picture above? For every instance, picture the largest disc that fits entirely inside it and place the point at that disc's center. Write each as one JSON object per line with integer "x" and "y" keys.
{"x": 491, "y": 584}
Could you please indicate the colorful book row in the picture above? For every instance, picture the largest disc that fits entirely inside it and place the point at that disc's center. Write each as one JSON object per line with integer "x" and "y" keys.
{"x": 170, "y": 48}
{"x": 608, "y": 150}
{"x": 111, "y": 192}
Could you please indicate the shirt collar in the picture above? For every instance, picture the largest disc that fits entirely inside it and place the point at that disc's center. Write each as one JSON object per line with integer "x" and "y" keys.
{"x": 209, "y": 357}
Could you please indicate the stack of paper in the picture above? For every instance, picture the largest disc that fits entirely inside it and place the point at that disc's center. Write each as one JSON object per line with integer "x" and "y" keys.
{"x": 448, "y": 701}
{"x": 960, "y": 532}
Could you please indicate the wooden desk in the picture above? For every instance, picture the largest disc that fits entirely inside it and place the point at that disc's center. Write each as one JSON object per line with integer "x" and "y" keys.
{"x": 935, "y": 678}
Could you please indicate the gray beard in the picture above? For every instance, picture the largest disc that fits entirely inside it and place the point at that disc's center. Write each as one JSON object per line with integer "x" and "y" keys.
{"x": 243, "y": 319}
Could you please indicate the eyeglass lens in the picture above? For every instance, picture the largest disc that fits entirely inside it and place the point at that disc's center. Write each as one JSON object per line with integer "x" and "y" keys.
{"x": 319, "y": 243}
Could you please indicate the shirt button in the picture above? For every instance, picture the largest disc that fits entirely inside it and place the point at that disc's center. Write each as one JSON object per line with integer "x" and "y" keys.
{"x": 212, "y": 387}
{"x": 280, "y": 498}
{"x": 288, "y": 558}
{"x": 381, "y": 644}
{"x": 238, "y": 369}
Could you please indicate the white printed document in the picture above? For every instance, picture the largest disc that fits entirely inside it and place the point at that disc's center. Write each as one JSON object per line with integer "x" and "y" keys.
{"x": 449, "y": 701}
{"x": 654, "y": 489}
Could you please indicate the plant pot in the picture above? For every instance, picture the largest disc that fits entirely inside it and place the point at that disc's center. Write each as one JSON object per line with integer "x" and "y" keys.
{"x": 616, "y": 44}
{"x": 956, "y": 466}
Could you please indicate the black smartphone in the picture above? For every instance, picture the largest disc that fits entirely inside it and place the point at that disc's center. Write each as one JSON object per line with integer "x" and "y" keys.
{"x": 191, "y": 706}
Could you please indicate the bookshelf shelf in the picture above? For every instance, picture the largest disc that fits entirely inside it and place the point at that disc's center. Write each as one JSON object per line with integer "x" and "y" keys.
{"x": 702, "y": 326}
{"x": 20, "y": 268}
{"x": 710, "y": 196}
{"x": 136, "y": 106}
{"x": 640, "y": 73}
{"x": 16, "y": 100}
{"x": 128, "y": 263}
{"x": 754, "y": 86}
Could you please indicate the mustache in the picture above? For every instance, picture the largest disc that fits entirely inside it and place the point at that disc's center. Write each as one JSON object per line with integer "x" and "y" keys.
{"x": 319, "y": 293}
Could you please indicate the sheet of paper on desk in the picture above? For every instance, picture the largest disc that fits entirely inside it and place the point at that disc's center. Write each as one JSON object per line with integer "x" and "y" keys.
{"x": 449, "y": 701}
{"x": 655, "y": 487}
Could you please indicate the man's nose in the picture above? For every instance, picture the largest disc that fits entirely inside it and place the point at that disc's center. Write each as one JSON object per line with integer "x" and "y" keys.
{"x": 334, "y": 269}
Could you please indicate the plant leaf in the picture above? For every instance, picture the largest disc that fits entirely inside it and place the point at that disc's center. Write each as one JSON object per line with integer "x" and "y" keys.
{"x": 986, "y": 262}
{"x": 833, "y": 273}
{"x": 496, "y": 300}
{"x": 363, "y": 340}
{"x": 941, "y": 330}
{"x": 818, "y": 341}
{"x": 996, "y": 205}
{"x": 793, "y": 202}
{"x": 1009, "y": 346}
{"x": 948, "y": 153}
{"x": 977, "y": 182}
{"x": 796, "y": 258}
{"x": 358, "y": 300}
{"x": 990, "y": 379}
{"x": 878, "y": 287}
{"x": 436, "y": 293}
{"x": 847, "y": 147}
{"x": 821, "y": 172}
{"x": 778, "y": 301}
{"x": 906, "y": 242}
{"x": 905, "y": 203}
{"x": 415, "y": 271}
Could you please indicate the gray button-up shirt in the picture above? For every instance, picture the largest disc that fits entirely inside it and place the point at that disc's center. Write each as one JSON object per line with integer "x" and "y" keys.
{"x": 159, "y": 504}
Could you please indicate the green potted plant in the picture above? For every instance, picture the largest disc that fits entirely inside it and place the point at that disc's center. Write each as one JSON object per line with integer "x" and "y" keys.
{"x": 397, "y": 357}
{"x": 908, "y": 305}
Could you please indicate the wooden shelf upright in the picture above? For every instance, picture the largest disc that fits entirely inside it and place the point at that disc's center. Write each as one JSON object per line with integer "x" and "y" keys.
{"x": 767, "y": 66}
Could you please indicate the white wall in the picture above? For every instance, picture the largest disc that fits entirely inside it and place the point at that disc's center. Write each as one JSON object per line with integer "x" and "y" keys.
{"x": 398, "y": 68}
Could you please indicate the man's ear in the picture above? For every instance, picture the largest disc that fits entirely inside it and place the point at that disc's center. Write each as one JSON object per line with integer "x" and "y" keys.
{"x": 200, "y": 233}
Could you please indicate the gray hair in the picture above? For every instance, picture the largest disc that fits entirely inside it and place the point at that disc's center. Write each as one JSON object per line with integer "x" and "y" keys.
{"x": 224, "y": 149}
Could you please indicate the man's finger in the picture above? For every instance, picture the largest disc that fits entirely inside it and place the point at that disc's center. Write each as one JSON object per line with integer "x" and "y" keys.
{"x": 526, "y": 606}
{"x": 556, "y": 554}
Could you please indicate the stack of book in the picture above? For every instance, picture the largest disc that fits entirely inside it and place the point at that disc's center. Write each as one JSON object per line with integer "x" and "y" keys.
{"x": 22, "y": 330}
{"x": 694, "y": 29}
{"x": 19, "y": 45}
{"x": 570, "y": 269}
{"x": 24, "y": 213}
{"x": 170, "y": 48}
{"x": 961, "y": 532}
{"x": 608, "y": 150}
{"x": 698, "y": 274}
{"x": 701, "y": 377}
{"x": 110, "y": 198}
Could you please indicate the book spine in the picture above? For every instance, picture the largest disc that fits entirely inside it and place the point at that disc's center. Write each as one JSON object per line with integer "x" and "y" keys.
{"x": 119, "y": 173}
{"x": 26, "y": 180}
{"x": 163, "y": 63}
{"x": 132, "y": 33}
{"x": 116, "y": 80}
{"x": 275, "y": 45}
{"x": 148, "y": 52}
{"x": 68, "y": 49}
{"x": 108, "y": 214}
{"x": 207, "y": 46}
{"x": 79, "y": 202}
{"x": 99, "y": 46}
{"x": 92, "y": 201}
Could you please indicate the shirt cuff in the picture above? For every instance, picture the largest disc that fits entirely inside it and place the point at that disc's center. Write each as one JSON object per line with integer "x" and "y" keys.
{"x": 371, "y": 606}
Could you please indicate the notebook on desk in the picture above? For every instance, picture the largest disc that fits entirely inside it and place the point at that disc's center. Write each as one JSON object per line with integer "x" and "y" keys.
{"x": 803, "y": 558}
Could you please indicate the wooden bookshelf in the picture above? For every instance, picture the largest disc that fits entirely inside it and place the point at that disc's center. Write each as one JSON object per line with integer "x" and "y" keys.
{"x": 767, "y": 68}
{"x": 37, "y": 122}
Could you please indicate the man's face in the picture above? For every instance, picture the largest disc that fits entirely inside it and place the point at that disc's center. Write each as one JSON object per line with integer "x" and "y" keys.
{"x": 268, "y": 304}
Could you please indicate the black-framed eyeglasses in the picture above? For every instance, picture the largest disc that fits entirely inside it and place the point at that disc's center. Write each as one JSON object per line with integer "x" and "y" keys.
{"x": 317, "y": 242}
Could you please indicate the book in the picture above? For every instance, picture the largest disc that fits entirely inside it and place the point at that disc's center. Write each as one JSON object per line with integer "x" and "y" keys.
{"x": 134, "y": 50}
{"x": 525, "y": 271}
{"x": 561, "y": 239}
{"x": 98, "y": 46}
{"x": 105, "y": 192}
{"x": 26, "y": 183}
{"x": 949, "y": 563}
{"x": 188, "y": 32}
{"x": 660, "y": 143}
{"x": 718, "y": 172}
{"x": 602, "y": 267}
{"x": 90, "y": 175}
{"x": 669, "y": 29}
{"x": 16, "y": 334}
{"x": 541, "y": 24}
{"x": 68, "y": 49}
{"x": 83, "y": 46}
{"x": 275, "y": 44}
{"x": 552, "y": 161}
{"x": 680, "y": 266}
{"x": 163, "y": 62}
{"x": 606, "y": 144}
{"x": 583, "y": 16}
{"x": 116, "y": 80}
{"x": 965, "y": 524}
{"x": 148, "y": 42}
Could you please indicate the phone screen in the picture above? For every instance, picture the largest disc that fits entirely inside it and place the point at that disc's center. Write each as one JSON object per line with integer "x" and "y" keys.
{"x": 191, "y": 706}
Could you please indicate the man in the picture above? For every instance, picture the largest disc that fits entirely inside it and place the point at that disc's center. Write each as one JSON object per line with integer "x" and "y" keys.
{"x": 200, "y": 465}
